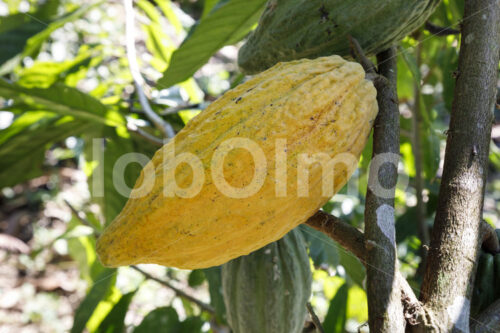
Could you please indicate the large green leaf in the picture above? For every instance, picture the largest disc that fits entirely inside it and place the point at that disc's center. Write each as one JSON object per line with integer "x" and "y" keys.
{"x": 336, "y": 316}
{"x": 226, "y": 25}
{"x": 114, "y": 322}
{"x": 109, "y": 186}
{"x": 62, "y": 99}
{"x": 23, "y": 144}
{"x": 22, "y": 35}
{"x": 96, "y": 293}
{"x": 214, "y": 278}
{"x": 321, "y": 248}
{"x": 163, "y": 319}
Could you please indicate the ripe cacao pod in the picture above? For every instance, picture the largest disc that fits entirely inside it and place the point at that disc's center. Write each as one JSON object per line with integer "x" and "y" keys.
{"x": 267, "y": 290}
{"x": 287, "y": 114}
{"x": 295, "y": 29}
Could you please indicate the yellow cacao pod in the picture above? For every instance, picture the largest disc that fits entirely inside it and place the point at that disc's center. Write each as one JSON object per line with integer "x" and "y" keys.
{"x": 262, "y": 159}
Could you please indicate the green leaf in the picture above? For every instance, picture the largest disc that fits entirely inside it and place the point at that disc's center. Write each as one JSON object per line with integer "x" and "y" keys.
{"x": 353, "y": 267}
{"x": 108, "y": 187}
{"x": 322, "y": 249}
{"x": 159, "y": 320}
{"x": 22, "y": 35}
{"x": 44, "y": 73}
{"x": 226, "y": 25}
{"x": 15, "y": 30}
{"x": 191, "y": 325}
{"x": 62, "y": 99}
{"x": 114, "y": 322}
{"x": 23, "y": 144}
{"x": 98, "y": 291}
{"x": 214, "y": 278}
{"x": 196, "y": 278}
{"x": 336, "y": 316}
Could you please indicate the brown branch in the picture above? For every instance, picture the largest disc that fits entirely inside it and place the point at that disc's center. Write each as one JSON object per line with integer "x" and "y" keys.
{"x": 440, "y": 31}
{"x": 456, "y": 235}
{"x": 343, "y": 233}
{"x": 385, "y": 311}
{"x": 315, "y": 319}
{"x": 203, "y": 306}
{"x": 353, "y": 240}
{"x": 488, "y": 321}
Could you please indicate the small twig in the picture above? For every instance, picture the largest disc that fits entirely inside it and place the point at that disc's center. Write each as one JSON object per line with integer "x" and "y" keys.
{"x": 161, "y": 124}
{"x": 176, "y": 109}
{"x": 203, "y": 306}
{"x": 440, "y": 31}
{"x": 145, "y": 135}
{"x": 315, "y": 318}
{"x": 82, "y": 218}
{"x": 358, "y": 54}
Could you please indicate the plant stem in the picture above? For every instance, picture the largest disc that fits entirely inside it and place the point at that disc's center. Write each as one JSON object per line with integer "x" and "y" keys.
{"x": 161, "y": 124}
{"x": 203, "y": 306}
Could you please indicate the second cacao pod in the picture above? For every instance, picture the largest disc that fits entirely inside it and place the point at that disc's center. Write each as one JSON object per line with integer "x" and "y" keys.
{"x": 295, "y": 29}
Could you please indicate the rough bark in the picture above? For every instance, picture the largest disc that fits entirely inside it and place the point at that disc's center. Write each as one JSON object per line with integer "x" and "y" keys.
{"x": 456, "y": 235}
{"x": 385, "y": 310}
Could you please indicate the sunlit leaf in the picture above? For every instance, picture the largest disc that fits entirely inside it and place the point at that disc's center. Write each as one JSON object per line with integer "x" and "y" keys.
{"x": 336, "y": 316}
{"x": 115, "y": 320}
{"x": 224, "y": 26}
{"x": 96, "y": 293}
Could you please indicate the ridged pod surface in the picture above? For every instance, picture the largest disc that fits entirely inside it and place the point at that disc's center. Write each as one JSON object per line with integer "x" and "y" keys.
{"x": 303, "y": 108}
{"x": 295, "y": 29}
{"x": 267, "y": 290}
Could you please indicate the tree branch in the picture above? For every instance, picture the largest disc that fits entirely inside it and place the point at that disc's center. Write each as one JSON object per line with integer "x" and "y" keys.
{"x": 456, "y": 235}
{"x": 440, "y": 31}
{"x": 165, "y": 128}
{"x": 353, "y": 240}
{"x": 203, "y": 306}
{"x": 315, "y": 319}
{"x": 385, "y": 311}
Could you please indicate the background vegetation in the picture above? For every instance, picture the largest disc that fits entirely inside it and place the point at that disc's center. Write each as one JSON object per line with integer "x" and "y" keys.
{"x": 70, "y": 110}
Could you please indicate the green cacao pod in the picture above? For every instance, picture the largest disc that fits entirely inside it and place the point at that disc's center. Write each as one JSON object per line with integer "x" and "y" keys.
{"x": 267, "y": 290}
{"x": 496, "y": 263}
{"x": 258, "y": 157}
{"x": 295, "y": 29}
{"x": 483, "y": 293}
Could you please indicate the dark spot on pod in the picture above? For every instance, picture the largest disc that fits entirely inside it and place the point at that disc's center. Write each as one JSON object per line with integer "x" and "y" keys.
{"x": 238, "y": 99}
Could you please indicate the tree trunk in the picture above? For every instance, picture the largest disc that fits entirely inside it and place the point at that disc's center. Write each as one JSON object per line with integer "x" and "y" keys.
{"x": 449, "y": 274}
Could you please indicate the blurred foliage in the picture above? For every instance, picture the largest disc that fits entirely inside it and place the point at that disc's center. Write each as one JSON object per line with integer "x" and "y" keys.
{"x": 68, "y": 102}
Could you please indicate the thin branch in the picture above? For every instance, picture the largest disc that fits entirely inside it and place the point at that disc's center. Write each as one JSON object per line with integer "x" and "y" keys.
{"x": 203, "y": 306}
{"x": 315, "y": 319}
{"x": 358, "y": 54}
{"x": 440, "y": 31}
{"x": 343, "y": 233}
{"x": 353, "y": 240}
{"x": 385, "y": 311}
{"x": 81, "y": 218}
{"x": 161, "y": 124}
{"x": 145, "y": 135}
{"x": 456, "y": 236}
